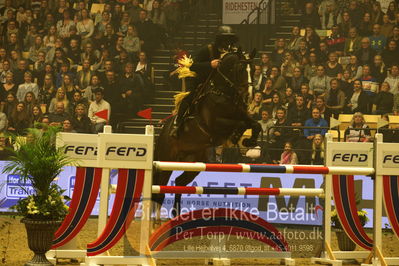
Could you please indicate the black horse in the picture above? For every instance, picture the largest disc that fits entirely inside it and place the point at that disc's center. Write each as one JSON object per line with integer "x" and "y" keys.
{"x": 220, "y": 114}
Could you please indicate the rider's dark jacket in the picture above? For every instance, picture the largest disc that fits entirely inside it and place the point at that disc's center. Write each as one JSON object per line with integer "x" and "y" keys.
{"x": 202, "y": 63}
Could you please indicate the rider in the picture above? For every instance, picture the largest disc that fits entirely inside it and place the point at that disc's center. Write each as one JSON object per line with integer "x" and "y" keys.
{"x": 206, "y": 60}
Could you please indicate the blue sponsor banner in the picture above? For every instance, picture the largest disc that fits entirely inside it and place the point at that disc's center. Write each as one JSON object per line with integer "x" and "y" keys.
{"x": 286, "y": 210}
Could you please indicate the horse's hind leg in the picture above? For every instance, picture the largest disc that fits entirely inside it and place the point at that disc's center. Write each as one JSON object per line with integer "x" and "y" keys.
{"x": 182, "y": 180}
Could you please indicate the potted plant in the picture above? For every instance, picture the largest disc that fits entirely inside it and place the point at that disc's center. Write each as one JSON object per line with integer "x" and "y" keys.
{"x": 38, "y": 162}
{"x": 344, "y": 242}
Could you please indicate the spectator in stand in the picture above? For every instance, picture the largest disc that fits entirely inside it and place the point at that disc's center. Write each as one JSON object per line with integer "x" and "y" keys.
{"x": 279, "y": 53}
{"x": 257, "y": 79}
{"x": 60, "y": 97}
{"x": 319, "y": 84}
{"x": 333, "y": 69}
{"x": 312, "y": 39}
{"x": 80, "y": 121}
{"x": 386, "y": 27}
{"x": 27, "y": 86}
{"x": 288, "y": 65}
{"x": 299, "y": 113}
{"x": 346, "y": 84}
{"x": 89, "y": 91}
{"x": 358, "y": 101}
{"x": 49, "y": 40}
{"x": 365, "y": 54}
{"x": 368, "y": 81}
{"x": 36, "y": 115}
{"x": 384, "y": 100}
{"x": 85, "y": 26}
{"x": 67, "y": 126}
{"x": 317, "y": 150}
{"x": 288, "y": 98}
{"x": 84, "y": 75}
{"x": 288, "y": 156}
{"x": 267, "y": 93}
{"x": 315, "y": 121}
{"x": 366, "y": 26}
{"x": 19, "y": 73}
{"x": 8, "y": 86}
{"x": 99, "y": 105}
{"x": 29, "y": 101}
{"x": 311, "y": 67}
{"x": 9, "y": 104}
{"x": 378, "y": 40}
{"x": 352, "y": 43}
{"x": 18, "y": 121}
{"x": 280, "y": 134}
{"x": 255, "y": 106}
{"x": 390, "y": 54}
{"x": 323, "y": 52}
{"x": 76, "y": 99}
{"x": 279, "y": 82}
{"x": 36, "y": 49}
{"x": 336, "y": 41}
{"x": 68, "y": 86}
{"x": 335, "y": 100}
{"x": 297, "y": 80}
{"x": 308, "y": 98}
{"x": 392, "y": 10}
{"x": 393, "y": 79}
{"x": 266, "y": 123}
{"x": 6, "y": 69}
{"x": 320, "y": 104}
{"x": 131, "y": 42}
{"x": 379, "y": 69}
{"x": 395, "y": 35}
{"x": 131, "y": 89}
{"x": 145, "y": 28}
{"x": 345, "y": 25}
{"x": 266, "y": 64}
{"x": 355, "y": 70}
{"x": 59, "y": 115}
{"x": 64, "y": 25}
{"x": 47, "y": 92}
{"x": 328, "y": 15}
{"x": 295, "y": 39}
{"x": 276, "y": 104}
{"x": 377, "y": 14}
{"x": 357, "y": 131}
{"x": 90, "y": 54}
{"x": 310, "y": 17}
{"x": 302, "y": 53}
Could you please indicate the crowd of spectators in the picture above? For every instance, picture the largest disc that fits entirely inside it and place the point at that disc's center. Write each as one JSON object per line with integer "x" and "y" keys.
{"x": 64, "y": 62}
{"x": 342, "y": 58}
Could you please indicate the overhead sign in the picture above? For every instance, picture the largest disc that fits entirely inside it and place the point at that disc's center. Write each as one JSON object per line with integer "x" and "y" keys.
{"x": 235, "y": 11}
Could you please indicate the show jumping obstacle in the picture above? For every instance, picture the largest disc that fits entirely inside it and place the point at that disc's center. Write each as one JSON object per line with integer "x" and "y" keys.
{"x": 238, "y": 191}
{"x": 132, "y": 155}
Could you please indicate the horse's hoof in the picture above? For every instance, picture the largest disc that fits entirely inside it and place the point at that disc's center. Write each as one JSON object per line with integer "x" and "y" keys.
{"x": 249, "y": 142}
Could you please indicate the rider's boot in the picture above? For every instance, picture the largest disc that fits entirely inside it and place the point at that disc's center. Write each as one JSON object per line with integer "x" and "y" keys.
{"x": 177, "y": 123}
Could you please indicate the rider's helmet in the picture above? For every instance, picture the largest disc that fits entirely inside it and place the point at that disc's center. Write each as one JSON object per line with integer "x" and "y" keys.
{"x": 225, "y": 37}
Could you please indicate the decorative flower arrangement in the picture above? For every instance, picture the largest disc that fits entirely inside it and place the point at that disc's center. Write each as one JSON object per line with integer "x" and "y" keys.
{"x": 336, "y": 223}
{"x": 38, "y": 162}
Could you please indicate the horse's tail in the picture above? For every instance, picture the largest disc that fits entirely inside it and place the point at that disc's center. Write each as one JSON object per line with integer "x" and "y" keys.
{"x": 178, "y": 99}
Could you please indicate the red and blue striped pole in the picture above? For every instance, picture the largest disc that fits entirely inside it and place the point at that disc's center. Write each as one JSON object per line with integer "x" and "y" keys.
{"x": 262, "y": 168}
{"x": 317, "y": 192}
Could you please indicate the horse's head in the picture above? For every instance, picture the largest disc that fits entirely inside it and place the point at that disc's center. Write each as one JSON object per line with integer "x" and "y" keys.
{"x": 232, "y": 71}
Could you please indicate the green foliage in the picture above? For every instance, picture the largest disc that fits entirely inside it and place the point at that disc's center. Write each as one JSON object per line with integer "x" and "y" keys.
{"x": 335, "y": 220}
{"x": 38, "y": 162}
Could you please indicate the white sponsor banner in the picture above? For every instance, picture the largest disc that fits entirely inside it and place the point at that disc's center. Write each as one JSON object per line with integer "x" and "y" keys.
{"x": 235, "y": 11}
